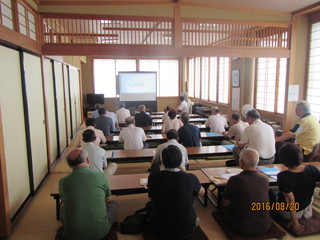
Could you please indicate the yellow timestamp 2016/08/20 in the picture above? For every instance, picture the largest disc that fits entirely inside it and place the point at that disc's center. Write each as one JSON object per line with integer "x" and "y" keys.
{"x": 277, "y": 206}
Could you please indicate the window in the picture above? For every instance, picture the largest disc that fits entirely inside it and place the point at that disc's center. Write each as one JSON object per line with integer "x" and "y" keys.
{"x": 313, "y": 85}
{"x": 6, "y": 18}
{"x": 271, "y": 78}
{"x": 27, "y": 22}
{"x": 167, "y": 74}
{"x": 223, "y": 91}
{"x": 209, "y": 78}
{"x": 106, "y": 70}
{"x": 191, "y": 78}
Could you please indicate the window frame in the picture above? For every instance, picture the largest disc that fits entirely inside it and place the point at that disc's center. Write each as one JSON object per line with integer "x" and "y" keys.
{"x": 276, "y": 92}
{"x": 138, "y": 69}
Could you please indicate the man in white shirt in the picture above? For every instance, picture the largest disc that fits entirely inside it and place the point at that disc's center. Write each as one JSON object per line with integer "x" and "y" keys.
{"x": 90, "y": 124}
{"x": 259, "y": 136}
{"x": 113, "y": 117}
{"x": 166, "y": 111}
{"x": 172, "y": 137}
{"x": 97, "y": 155}
{"x": 236, "y": 129}
{"x": 171, "y": 122}
{"x": 183, "y": 107}
{"x": 216, "y": 121}
{"x": 132, "y": 136}
{"x": 122, "y": 113}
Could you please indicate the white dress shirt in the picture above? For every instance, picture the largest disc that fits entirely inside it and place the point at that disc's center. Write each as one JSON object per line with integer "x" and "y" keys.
{"x": 122, "y": 114}
{"x": 114, "y": 118}
{"x": 237, "y": 130}
{"x": 158, "y": 155}
{"x": 260, "y": 136}
{"x": 217, "y": 123}
{"x": 171, "y": 124}
{"x": 99, "y": 137}
{"x": 183, "y": 107}
{"x": 132, "y": 137}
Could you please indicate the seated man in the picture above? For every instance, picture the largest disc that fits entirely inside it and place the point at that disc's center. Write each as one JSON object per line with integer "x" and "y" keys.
{"x": 143, "y": 119}
{"x": 86, "y": 211}
{"x": 113, "y": 117}
{"x": 306, "y": 131}
{"x": 172, "y": 193}
{"x": 95, "y": 113}
{"x": 166, "y": 111}
{"x": 97, "y": 155}
{"x": 189, "y": 135}
{"x": 90, "y": 124}
{"x": 172, "y": 122}
{"x": 104, "y": 123}
{"x": 183, "y": 107}
{"x": 132, "y": 136}
{"x": 122, "y": 113}
{"x": 236, "y": 129}
{"x": 172, "y": 136}
{"x": 259, "y": 136}
{"x": 241, "y": 192}
{"x": 216, "y": 121}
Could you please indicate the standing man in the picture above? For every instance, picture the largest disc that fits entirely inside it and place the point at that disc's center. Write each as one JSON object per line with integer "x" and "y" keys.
{"x": 216, "y": 121}
{"x": 172, "y": 192}
{"x": 97, "y": 155}
{"x": 86, "y": 211}
{"x": 189, "y": 135}
{"x": 242, "y": 192}
{"x": 122, "y": 113}
{"x": 236, "y": 129}
{"x": 132, "y": 136}
{"x": 172, "y": 137}
{"x": 104, "y": 123}
{"x": 143, "y": 119}
{"x": 183, "y": 107}
{"x": 306, "y": 131}
{"x": 259, "y": 136}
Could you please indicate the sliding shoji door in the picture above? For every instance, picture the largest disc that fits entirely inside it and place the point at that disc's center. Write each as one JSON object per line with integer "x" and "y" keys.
{"x": 51, "y": 110}
{"x": 75, "y": 98}
{"x": 38, "y": 142}
{"x": 60, "y": 103}
{"x": 14, "y": 143}
{"x": 67, "y": 101}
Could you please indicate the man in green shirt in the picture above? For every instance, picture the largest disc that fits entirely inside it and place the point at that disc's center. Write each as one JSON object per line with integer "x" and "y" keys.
{"x": 86, "y": 213}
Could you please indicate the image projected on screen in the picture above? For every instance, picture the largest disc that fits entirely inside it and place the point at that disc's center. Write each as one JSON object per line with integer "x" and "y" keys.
{"x": 138, "y": 86}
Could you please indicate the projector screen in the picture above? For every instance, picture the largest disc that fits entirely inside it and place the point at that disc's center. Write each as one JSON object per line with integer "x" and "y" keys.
{"x": 138, "y": 86}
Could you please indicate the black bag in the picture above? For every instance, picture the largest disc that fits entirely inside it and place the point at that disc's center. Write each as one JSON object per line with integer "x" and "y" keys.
{"x": 133, "y": 224}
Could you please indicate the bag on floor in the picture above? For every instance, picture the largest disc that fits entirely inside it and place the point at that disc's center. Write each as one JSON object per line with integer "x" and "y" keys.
{"x": 133, "y": 224}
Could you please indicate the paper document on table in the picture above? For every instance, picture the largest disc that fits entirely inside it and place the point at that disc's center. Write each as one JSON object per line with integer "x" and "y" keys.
{"x": 143, "y": 181}
{"x": 268, "y": 171}
{"x": 234, "y": 170}
{"x": 227, "y": 175}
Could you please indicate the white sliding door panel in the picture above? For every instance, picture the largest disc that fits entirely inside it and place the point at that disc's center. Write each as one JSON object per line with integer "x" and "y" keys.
{"x": 13, "y": 127}
{"x": 34, "y": 88}
{"x": 67, "y": 100}
{"x": 51, "y": 113}
{"x": 60, "y": 104}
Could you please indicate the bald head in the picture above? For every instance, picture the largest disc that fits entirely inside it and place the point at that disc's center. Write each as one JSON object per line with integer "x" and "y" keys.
{"x": 129, "y": 120}
{"x": 249, "y": 158}
{"x": 142, "y": 108}
{"x": 76, "y": 157}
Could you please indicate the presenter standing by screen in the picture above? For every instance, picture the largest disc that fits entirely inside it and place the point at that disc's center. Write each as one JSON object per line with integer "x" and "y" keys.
{"x": 183, "y": 107}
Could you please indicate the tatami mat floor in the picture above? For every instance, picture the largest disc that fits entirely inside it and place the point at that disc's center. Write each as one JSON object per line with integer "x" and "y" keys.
{"x": 38, "y": 220}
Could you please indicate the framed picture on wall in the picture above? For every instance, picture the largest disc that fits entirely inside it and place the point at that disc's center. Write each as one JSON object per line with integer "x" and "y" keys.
{"x": 236, "y": 78}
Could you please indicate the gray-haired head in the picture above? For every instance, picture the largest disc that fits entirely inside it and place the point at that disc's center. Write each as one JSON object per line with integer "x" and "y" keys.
{"x": 250, "y": 157}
